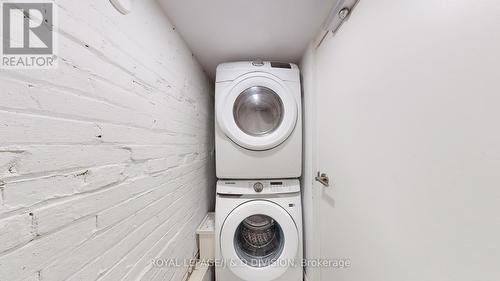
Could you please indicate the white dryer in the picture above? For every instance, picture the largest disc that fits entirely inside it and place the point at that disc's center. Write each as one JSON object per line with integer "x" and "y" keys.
{"x": 258, "y": 128}
{"x": 258, "y": 231}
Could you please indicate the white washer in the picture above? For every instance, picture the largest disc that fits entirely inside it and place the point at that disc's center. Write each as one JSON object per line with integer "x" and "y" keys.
{"x": 258, "y": 231}
{"x": 258, "y": 127}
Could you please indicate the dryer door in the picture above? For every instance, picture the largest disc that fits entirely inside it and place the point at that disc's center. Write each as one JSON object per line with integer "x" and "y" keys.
{"x": 259, "y": 241}
{"x": 258, "y": 112}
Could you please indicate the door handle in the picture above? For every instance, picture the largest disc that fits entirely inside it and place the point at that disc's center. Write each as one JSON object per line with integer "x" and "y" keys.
{"x": 323, "y": 179}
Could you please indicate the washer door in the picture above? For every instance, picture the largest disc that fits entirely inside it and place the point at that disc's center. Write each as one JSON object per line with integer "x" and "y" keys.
{"x": 259, "y": 241}
{"x": 257, "y": 112}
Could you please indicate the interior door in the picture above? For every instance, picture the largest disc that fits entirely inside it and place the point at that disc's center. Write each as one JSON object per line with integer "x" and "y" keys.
{"x": 407, "y": 131}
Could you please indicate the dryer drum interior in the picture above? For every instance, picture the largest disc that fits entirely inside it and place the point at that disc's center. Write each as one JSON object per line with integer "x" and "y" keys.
{"x": 258, "y": 111}
{"x": 259, "y": 241}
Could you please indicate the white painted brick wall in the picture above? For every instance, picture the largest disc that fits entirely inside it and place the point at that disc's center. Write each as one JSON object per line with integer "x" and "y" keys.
{"x": 105, "y": 162}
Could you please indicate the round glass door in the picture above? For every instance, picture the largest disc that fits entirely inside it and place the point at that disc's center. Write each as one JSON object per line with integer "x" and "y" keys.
{"x": 259, "y": 241}
{"x": 252, "y": 240}
{"x": 258, "y": 111}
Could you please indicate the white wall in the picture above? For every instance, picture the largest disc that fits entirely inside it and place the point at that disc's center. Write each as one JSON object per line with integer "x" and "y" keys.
{"x": 413, "y": 94}
{"x": 309, "y": 193}
{"x": 106, "y": 161}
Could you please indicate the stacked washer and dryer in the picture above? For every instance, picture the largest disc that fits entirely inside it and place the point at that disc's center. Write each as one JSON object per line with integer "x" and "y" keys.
{"x": 258, "y": 139}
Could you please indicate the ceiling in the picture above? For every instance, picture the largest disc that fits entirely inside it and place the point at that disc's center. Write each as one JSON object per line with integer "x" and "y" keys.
{"x": 227, "y": 30}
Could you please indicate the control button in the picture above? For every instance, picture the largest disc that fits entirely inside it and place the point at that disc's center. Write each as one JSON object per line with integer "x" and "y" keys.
{"x": 258, "y": 187}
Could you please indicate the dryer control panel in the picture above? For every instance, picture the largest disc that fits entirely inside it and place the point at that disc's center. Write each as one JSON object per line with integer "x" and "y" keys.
{"x": 281, "y": 65}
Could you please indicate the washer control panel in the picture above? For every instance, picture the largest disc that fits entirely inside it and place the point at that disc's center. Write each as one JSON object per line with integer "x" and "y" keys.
{"x": 242, "y": 187}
